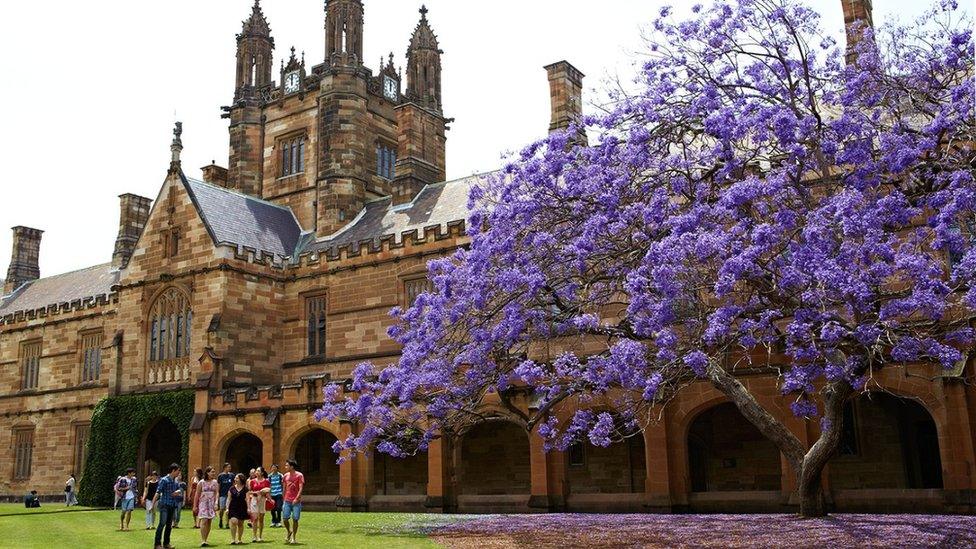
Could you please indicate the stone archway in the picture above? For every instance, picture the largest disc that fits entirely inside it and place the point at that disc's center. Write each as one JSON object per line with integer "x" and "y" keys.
{"x": 161, "y": 446}
{"x": 244, "y": 452}
{"x": 726, "y": 453}
{"x": 494, "y": 460}
{"x": 888, "y": 443}
{"x": 400, "y": 476}
{"x": 617, "y": 469}
{"x": 317, "y": 462}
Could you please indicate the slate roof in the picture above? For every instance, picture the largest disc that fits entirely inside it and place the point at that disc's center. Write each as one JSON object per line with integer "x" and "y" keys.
{"x": 436, "y": 205}
{"x": 241, "y": 220}
{"x": 234, "y": 218}
{"x": 86, "y": 283}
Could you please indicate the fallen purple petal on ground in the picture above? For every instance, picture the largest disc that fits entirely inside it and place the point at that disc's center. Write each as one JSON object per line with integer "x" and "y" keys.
{"x": 566, "y": 530}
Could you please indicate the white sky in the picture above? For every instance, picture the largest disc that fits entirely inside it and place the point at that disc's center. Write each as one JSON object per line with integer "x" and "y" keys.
{"x": 92, "y": 88}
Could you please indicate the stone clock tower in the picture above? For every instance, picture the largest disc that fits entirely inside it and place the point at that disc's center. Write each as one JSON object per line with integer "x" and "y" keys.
{"x": 326, "y": 140}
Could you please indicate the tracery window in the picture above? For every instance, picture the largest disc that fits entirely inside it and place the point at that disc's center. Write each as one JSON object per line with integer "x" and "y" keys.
{"x": 23, "y": 453}
{"x": 30, "y": 362}
{"x": 315, "y": 325}
{"x": 385, "y": 161}
{"x": 292, "y": 156}
{"x": 91, "y": 356}
{"x": 414, "y": 287}
{"x": 170, "y": 321}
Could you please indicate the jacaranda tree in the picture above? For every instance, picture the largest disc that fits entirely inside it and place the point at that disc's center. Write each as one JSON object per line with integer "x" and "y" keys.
{"x": 757, "y": 202}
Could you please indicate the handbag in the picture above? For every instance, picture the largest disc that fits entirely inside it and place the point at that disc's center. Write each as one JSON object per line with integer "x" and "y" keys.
{"x": 269, "y": 504}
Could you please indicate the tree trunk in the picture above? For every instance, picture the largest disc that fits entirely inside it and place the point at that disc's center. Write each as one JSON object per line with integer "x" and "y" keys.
{"x": 809, "y": 483}
{"x": 808, "y": 463}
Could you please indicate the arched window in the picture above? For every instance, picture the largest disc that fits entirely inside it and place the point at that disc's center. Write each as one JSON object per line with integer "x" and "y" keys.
{"x": 170, "y": 321}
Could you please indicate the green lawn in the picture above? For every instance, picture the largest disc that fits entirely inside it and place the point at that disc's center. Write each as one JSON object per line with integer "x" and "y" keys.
{"x": 50, "y": 527}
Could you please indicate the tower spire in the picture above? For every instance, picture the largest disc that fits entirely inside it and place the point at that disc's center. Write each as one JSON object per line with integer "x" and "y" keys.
{"x": 424, "y": 65}
{"x": 255, "y": 50}
{"x": 344, "y": 21}
{"x": 176, "y": 148}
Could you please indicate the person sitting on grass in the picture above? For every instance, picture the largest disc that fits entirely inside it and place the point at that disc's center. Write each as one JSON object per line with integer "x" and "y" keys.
{"x": 31, "y": 501}
{"x": 127, "y": 486}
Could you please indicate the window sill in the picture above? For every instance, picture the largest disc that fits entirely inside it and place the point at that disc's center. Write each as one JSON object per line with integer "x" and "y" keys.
{"x": 294, "y": 175}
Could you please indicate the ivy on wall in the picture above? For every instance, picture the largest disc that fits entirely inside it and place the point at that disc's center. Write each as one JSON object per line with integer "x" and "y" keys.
{"x": 117, "y": 427}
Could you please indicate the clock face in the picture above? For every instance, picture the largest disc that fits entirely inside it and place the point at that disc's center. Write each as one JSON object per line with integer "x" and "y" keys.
{"x": 292, "y": 82}
{"x": 391, "y": 88}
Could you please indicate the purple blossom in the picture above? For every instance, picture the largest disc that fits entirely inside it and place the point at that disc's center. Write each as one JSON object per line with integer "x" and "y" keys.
{"x": 798, "y": 214}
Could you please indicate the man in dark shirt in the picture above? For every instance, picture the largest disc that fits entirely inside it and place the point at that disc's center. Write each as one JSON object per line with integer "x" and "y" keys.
{"x": 168, "y": 499}
{"x": 225, "y": 480}
{"x": 31, "y": 501}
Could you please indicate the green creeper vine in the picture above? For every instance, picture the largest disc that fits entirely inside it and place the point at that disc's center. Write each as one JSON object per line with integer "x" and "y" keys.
{"x": 117, "y": 427}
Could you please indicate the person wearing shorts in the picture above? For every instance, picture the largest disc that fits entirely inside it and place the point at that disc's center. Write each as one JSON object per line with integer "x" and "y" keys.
{"x": 127, "y": 485}
{"x": 225, "y": 480}
{"x": 291, "y": 512}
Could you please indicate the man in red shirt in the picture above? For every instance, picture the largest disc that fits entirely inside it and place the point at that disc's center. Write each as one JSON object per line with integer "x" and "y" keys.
{"x": 294, "y": 482}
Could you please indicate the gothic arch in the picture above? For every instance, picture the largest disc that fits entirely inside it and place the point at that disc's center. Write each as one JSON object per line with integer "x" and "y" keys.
{"x": 224, "y": 443}
{"x": 168, "y": 334}
{"x": 502, "y": 454}
{"x": 156, "y": 451}
{"x": 296, "y": 435}
{"x": 311, "y": 446}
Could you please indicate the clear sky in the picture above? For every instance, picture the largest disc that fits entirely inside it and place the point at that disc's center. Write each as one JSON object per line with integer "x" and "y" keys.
{"x": 93, "y": 88}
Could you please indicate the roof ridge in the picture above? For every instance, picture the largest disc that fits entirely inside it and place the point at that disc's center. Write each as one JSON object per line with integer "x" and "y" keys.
{"x": 236, "y": 193}
{"x": 106, "y": 264}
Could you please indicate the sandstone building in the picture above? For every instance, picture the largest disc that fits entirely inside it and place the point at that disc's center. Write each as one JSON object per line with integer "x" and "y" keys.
{"x": 272, "y": 277}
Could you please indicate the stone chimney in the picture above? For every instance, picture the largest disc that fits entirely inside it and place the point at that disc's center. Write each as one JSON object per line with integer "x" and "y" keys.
{"x": 858, "y": 15}
{"x": 133, "y": 214}
{"x": 566, "y": 93}
{"x": 23, "y": 259}
{"x": 215, "y": 175}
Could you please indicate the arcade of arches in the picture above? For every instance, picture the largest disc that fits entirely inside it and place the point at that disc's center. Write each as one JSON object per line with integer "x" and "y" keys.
{"x": 703, "y": 456}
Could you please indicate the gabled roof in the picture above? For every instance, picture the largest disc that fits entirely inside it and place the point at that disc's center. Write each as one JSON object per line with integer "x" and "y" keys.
{"x": 91, "y": 282}
{"x": 241, "y": 220}
{"x": 436, "y": 205}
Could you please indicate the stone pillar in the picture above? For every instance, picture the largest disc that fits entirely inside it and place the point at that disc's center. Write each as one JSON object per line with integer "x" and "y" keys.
{"x": 957, "y": 449}
{"x": 421, "y": 151}
{"x": 440, "y": 476}
{"x": 199, "y": 451}
{"x": 657, "y": 485}
{"x": 24, "y": 255}
{"x": 544, "y": 494}
{"x": 133, "y": 215}
{"x": 858, "y": 14}
{"x": 566, "y": 95}
{"x": 343, "y": 138}
{"x": 354, "y": 476}
{"x": 215, "y": 175}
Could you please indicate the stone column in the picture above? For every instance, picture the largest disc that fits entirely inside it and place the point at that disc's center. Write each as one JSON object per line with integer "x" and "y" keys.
{"x": 657, "y": 486}
{"x": 440, "y": 476}
{"x": 353, "y": 476}
{"x": 543, "y": 493}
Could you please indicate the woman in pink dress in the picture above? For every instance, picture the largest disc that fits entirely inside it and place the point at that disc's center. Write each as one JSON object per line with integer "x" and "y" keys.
{"x": 205, "y": 505}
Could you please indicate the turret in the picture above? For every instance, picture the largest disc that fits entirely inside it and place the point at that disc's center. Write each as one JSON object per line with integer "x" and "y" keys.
{"x": 858, "y": 16}
{"x": 24, "y": 257}
{"x": 255, "y": 49}
{"x": 421, "y": 126}
{"x": 424, "y": 66}
{"x": 344, "y": 33}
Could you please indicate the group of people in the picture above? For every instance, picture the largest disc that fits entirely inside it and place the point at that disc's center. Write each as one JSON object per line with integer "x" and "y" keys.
{"x": 235, "y": 500}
